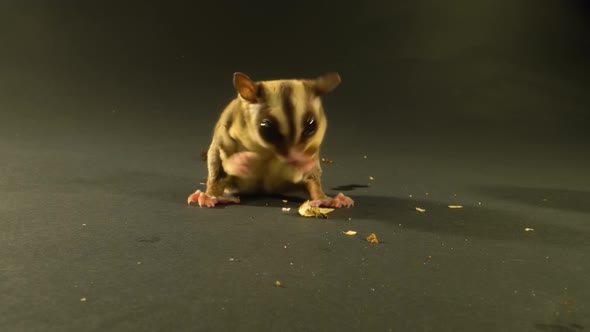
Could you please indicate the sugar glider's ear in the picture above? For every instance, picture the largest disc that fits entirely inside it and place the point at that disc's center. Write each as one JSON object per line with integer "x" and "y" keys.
{"x": 325, "y": 83}
{"x": 245, "y": 87}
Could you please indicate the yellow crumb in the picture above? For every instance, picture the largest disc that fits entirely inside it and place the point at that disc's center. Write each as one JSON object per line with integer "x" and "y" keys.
{"x": 372, "y": 238}
{"x": 313, "y": 211}
{"x": 420, "y": 209}
{"x": 350, "y": 232}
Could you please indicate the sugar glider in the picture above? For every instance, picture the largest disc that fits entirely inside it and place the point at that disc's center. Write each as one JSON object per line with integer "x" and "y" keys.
{"x": 267, "y": 141}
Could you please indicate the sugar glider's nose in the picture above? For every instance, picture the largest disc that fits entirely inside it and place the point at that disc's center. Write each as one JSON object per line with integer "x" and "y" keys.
{"x": 301, "y": 160}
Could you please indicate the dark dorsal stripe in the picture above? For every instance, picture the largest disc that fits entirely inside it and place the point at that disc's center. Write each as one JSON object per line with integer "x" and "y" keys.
{"x": 289, "y": 109}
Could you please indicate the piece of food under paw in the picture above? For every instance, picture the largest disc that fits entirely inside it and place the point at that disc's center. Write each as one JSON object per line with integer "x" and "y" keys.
{"x": 308, "y": 210}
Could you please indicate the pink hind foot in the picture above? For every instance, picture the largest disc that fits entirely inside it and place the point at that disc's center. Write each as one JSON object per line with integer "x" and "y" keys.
{"x": 209, "y": 201}
{"x": 337, "y": 201}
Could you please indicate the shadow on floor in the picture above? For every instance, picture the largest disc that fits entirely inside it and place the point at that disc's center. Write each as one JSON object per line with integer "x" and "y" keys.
{"x": 562, "y": 199}
{"x": 470, "y": 221}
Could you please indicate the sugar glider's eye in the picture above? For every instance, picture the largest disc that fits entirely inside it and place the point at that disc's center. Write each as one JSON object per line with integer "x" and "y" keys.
{"x": 269, "y": 131}
{"x": 310, "y": 126}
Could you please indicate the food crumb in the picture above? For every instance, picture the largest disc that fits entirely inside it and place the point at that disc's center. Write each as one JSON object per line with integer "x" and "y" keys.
{"x": 350, "y": 232}
{"x": 420, "y": 209}
{"x": 529, "y": 229}
{"x": 371, "y": 178}
{"x": 286, "y": 209}
{"x": 278, "y": 284}
{"x": 285, "y": 201}
{"x": 372, "y": 238}
{"x": 313, "y": 211}
{"x": 455, "y": 206}
{"x": 83, "y": 299}
{"x": 326, "y": 160}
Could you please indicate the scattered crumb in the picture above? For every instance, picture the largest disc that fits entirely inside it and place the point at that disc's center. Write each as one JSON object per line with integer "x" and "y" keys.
{"x": 286, "y": 209}
{"x": 349, "y": 219}
{"x": 202, "y": 183}
{"x": 285, "y": 201}
{"x": 326, "y": 160}
{"x": 427, "y": 194}
{"x": 349, "y": 232}
{"x": 365, "y": 157}
{"x": 278, "y": 284}
{"x": 455, "y": 206}
{"x": 313, "y": 211}
{"x": 372, "y": 238}
{"x": 371, "y": 178}
{"x": 529, "y": 229}
{"x": 420, "y": 209}
{"x": 411, "y": 195}
{"x": 83, "y": 224}
{"x": 83, "y": 299}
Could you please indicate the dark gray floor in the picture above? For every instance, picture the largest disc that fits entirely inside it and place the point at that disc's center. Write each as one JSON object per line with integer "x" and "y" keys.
{"x": 105, "y": 109}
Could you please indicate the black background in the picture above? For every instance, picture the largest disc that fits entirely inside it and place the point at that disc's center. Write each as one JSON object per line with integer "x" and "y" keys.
{"x": 510, "y": 67}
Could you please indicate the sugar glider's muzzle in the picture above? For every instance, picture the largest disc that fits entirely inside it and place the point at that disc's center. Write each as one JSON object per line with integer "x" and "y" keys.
{"x": 300, "y": 160}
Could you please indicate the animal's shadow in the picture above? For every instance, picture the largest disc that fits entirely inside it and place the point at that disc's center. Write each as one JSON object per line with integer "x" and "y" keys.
{"x": 563, "y": 199}
{"x": 469, "y": 221}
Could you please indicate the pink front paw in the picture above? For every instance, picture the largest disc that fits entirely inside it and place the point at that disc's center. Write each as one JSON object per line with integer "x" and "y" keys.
{"x": 240, "y": 164}
{"x": 338, "y": 201}
{"x": 203, "y": 199}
